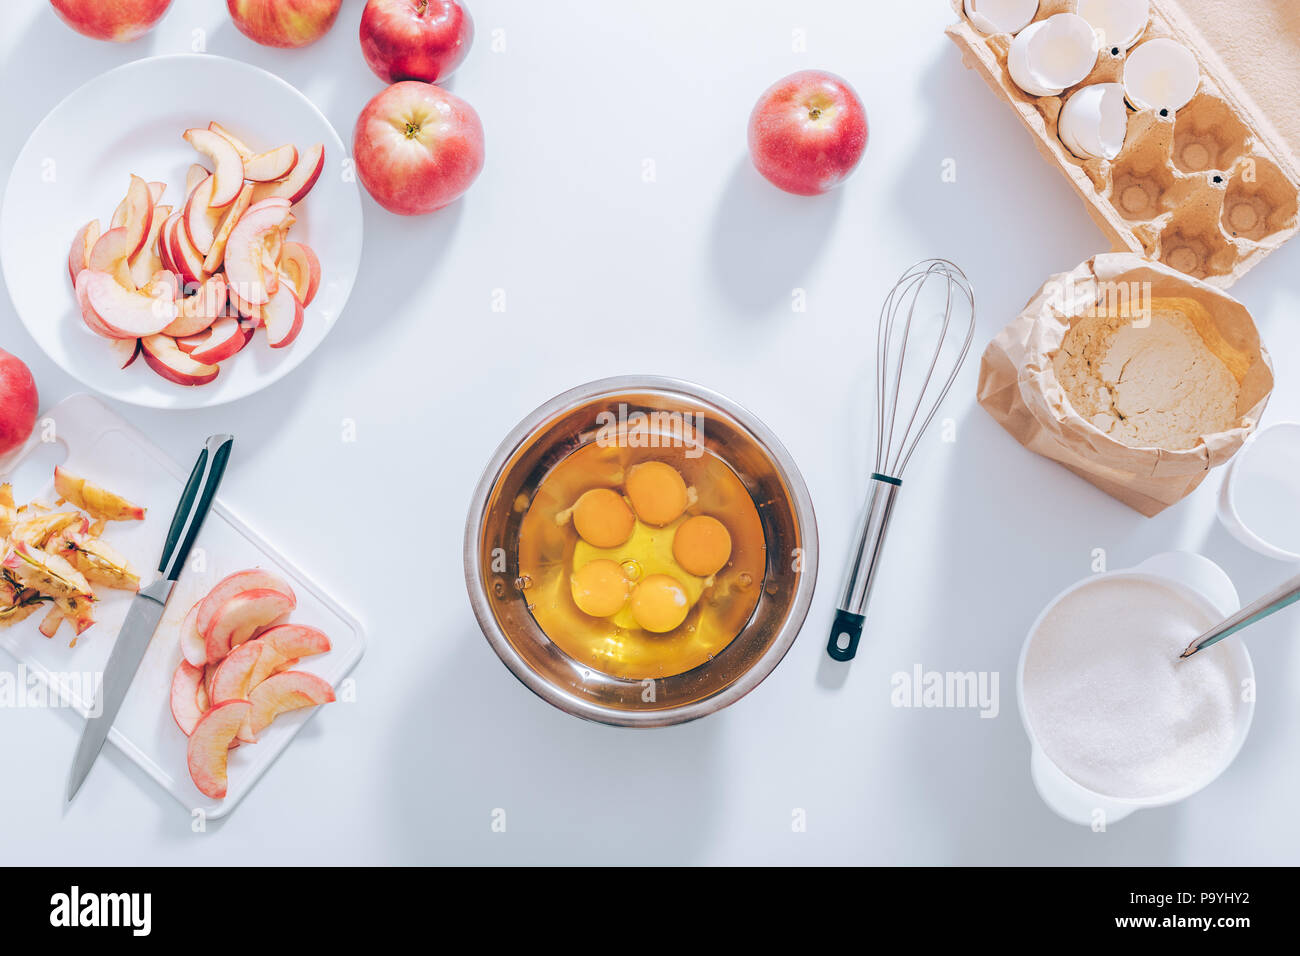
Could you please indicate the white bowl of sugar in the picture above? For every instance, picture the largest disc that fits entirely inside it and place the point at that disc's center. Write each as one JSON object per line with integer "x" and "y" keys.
{"x": 1116, "y": 722}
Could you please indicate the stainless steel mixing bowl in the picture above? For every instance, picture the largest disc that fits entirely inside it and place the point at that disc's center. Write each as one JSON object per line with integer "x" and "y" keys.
{"x": 554, "y": 431}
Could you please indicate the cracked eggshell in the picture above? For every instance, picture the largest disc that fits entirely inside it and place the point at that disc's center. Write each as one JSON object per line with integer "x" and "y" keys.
{"x": 1094, "y": 121}
{"x": 1161, "y": 74}
{"x": 1052, "y": 54}
{"x": 1001, "y": 16}
{"x": 1119, "y": 23}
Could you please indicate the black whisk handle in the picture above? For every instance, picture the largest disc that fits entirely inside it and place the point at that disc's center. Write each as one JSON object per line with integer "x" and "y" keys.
{"x": 845, "y": 634}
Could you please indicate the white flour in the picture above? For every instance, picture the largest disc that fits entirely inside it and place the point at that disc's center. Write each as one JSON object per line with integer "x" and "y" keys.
{"x": 1108, "y": 701}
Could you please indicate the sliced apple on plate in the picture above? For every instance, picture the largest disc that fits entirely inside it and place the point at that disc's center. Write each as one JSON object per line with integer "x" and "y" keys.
{"x": 271, "y": 166}
{"x": 187, "y": 260}
{"x": 209, "y": 746}
{"x": 282, "y": 316}
{"x": 125, "y": 351}
{"x": 193, "y": 176}
{"x": 127, "y": 314}
{"x": 163, "y": 356}
{"x": 227, "y": 165}
{"x": 135, "y": 214}
{"x": 217, "y": 254}
{"x": 224, "y": 339}
{"x": 243, "y": 149}
{"x": 253, "y": 250}
{"x": 285, "y": 692}
{"x": 82, "y": 243}
{"x": 202, "y": 218}
{"x": 299, "y": 182}
{"x": 198, "y": 312}
{"x": 149, "y": 260}
{"x": 111, "y": 254}
{"x": 299, "y": 263}
{"x": 233, "y": 584}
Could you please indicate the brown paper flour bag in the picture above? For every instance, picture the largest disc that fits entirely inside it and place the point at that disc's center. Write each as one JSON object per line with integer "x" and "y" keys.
{"x": 1019, "y": 385}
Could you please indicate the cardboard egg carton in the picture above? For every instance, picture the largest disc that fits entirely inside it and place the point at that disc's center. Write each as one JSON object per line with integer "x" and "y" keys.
{"x": 1211, "y": 190}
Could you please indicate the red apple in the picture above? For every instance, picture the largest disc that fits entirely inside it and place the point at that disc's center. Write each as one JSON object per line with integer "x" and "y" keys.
{"x": 415, "y": 39}
{"x": 18, "y": 402}
{"x": 808, "y": 132}
{"x": 118, "y": 20}
{"x": 417, "y": 148}
{"x": 284, "y": 23}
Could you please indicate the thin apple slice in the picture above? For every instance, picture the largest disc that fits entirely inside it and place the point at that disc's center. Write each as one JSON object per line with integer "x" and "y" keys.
{"x": 95, "y": 501}
{"x": 193, "y": 647}
{"x": 253, "y": 313}
{"x": 202, "y": 219}
{"x": 87, "y": 313}
{"x": 185, "y": 696}
{"x": 148, "y": 260}
{"x": 242, "y": 616}
{"x": 128, "y": 314}
{"x": 233, "y": 584}
{"x": 82, "y": 243}
{"x": 209, "y": 746}
{"x": 243, "y": 149}
{"x": 162, "y": 355}
{"x": 135, "y": 214}
{"x": 125, "y": 351}
{"x": 272, "y": 165}
{"x": 298, "y": 261}
{"x": 282, "y": 316}
{"x": 111, "y": 253}
{"x": 199, "y": 311}
{"x": 227, "y": 165}
{"x": 193, "y": 176}
{"x": 225, "y": 338}
{"x": 156, "y": 191}
{"x": 284, "y": 692}
{"x": 256, "y": 239}
{"x": 231, "y": 681}
{"x": 217, "y": 254}
{"x": 286, "y": 644}
{"x": 299, "y": 182}
{"x": 187, "y": 259}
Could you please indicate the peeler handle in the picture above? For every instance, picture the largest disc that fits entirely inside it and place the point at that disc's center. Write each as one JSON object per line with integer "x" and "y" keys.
{"x": 856, "y": 595}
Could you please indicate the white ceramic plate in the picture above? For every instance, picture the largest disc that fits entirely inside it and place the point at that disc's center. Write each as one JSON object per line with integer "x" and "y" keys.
{"x": 76, "y": 167}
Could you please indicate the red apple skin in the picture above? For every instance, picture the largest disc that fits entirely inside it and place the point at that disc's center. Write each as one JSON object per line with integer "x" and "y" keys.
{"x": 417, "y": 148}
{"x": 808, "y": 132}
{"x": 19, "y": 402}
{"x": 116, "y": 20}
{"x": 284, "y": 23}
{"x": 415, "y": 39}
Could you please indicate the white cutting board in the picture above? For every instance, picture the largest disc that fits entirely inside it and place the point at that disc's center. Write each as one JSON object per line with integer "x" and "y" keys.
{"x": 104, "y": 449}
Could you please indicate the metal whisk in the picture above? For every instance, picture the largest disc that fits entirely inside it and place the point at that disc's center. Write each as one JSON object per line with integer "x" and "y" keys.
{"x": 894, "y": 447}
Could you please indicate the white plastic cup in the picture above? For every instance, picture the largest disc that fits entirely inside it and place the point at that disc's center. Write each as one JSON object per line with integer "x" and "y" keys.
{"x": 1201, "y": 581}
{"x": 1264, "y": 478}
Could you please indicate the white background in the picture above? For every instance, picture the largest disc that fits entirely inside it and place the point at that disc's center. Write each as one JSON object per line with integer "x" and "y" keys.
{"x": 690, "y": 275}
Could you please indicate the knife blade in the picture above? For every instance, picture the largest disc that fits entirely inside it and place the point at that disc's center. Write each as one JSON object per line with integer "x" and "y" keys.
{"x": 150, "y": 602}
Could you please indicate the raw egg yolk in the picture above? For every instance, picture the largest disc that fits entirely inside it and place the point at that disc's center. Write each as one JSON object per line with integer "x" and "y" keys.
{"x": 658, "y": 492}
{"x": 602, "y": 518}
{"x": 599, "y": 588}
{"x": 659, "y": 603}
{"x": 702, "y": 545}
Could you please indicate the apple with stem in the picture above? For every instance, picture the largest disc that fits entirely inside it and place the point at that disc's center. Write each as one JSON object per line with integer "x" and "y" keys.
{"x": 415, "y": 39}
{"x": 116, "y": 20}
{"x": 417, "y": 148}
{"x": 284, "y": 23}
{"x": 807, "y": 132}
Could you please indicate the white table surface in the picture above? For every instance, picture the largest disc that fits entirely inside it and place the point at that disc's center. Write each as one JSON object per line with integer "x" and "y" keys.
{"x": 689, "y": 275}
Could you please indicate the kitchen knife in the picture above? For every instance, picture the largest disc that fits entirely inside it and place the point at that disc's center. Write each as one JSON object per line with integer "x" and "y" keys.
{"x": 148, "y": 605}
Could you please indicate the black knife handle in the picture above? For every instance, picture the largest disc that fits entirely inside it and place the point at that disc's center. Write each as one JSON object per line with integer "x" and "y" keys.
{"x": 196, "y": 500}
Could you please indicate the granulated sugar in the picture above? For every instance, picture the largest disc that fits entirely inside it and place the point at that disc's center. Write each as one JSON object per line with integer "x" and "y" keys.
{"x": 1108, "y": 700}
